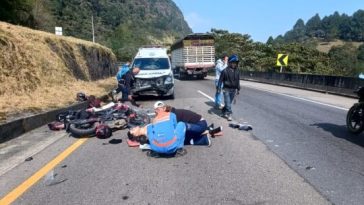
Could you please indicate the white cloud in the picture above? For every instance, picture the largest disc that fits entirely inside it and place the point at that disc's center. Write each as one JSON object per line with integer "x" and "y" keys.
{"x": 198, "y": 23}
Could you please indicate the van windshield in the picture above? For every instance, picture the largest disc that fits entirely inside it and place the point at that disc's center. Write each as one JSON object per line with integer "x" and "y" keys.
{"x": 151, "y": 63}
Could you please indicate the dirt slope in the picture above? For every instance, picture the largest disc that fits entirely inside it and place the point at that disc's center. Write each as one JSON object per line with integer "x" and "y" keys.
{"x": 40, "y": 71}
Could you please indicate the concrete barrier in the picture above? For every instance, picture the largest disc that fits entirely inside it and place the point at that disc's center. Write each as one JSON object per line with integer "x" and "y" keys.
{"x": 13, "y": 129}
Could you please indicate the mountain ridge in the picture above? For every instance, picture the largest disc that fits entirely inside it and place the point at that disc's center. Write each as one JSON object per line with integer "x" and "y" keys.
{"x": 122, "y": 25}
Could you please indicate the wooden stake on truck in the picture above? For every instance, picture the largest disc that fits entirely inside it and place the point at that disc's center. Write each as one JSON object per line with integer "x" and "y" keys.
{"x": 193, "y": 55}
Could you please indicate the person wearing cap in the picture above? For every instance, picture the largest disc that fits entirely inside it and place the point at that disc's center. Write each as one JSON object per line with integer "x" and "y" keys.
{"x": 165, "y": 134}
{"x": 221, "y": 64}
{"x": 195, "y": 124}
{"x": 230, "y": 78}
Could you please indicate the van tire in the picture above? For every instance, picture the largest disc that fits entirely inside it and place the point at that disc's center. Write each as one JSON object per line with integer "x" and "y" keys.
{"x": 171, "y": 96}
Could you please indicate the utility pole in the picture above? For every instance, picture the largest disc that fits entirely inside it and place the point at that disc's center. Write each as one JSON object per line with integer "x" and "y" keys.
{"x": 93, "y": 29}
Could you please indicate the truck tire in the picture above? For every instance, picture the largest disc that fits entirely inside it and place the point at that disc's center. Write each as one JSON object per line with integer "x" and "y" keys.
{"x": 182, "y": 75}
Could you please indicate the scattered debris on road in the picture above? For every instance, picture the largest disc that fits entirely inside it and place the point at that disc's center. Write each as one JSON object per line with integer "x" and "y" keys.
{"x": 29, "y": 159}
{"x": 241, "y": 126}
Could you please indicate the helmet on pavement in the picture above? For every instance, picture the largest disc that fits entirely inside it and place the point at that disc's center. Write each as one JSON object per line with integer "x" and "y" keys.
{"x": 81, "y": 97}
{"x": 103, "y": 131}
{"x": 233, "y": 58}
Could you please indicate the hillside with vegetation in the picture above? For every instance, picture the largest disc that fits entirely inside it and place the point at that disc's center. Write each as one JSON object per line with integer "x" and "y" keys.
{"x": 345, "y": 60}
{"x": 39, "y": 70}
{"x": 329, "y": 46}
{"x": 329, "y": 28}
{"x": 122, "y": 25}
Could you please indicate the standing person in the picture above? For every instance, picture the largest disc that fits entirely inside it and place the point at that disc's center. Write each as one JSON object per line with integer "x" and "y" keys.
{"x": 221, "y": 64}
{"x": 230, "y": 78}
{"x": 126, "y": 83}
{"x": 123, "y": 69}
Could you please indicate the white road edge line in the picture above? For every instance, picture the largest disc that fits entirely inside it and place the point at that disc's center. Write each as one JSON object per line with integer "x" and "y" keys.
{"x": 204, "y": 94}
{"x": 299, "y": 98}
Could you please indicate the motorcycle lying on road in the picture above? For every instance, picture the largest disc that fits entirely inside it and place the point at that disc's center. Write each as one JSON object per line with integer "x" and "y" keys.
{"x": 355, "y": 116}
{"x": 115, "y": 116}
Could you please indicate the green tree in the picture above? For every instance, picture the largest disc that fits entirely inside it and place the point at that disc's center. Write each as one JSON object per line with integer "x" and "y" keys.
{"x": 270, "y": 40}
{"x": 313, "y": 25}
{"x": 361, "y": 52}
{"x": 344, "y": 59}
{"x": 357, "y": 25}
{"x": 298, "y": 32}
{"x": 17, "y": 12}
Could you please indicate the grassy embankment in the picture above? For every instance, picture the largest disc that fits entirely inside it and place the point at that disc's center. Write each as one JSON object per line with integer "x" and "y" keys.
{"x": 41, "y": 71}
{"x": 326, "y": 46}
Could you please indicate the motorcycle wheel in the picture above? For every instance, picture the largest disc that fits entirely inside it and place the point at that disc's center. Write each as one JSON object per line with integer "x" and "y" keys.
{"x": 82, "y": 130}
{"x": 355, "y": 118}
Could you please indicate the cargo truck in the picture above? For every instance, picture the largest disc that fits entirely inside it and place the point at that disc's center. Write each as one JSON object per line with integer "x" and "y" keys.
{"x": 193, "y": 56}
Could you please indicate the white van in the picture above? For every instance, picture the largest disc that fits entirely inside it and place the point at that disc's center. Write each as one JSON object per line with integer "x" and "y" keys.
{"x": 155, "y": 76}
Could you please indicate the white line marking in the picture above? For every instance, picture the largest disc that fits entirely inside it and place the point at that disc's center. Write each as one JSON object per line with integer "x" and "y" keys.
{"x": 299, "y": 98}
{"x": 202, "y": 93}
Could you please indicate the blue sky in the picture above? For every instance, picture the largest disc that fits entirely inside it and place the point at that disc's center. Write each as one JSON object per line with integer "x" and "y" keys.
{"x": 259, "y": 18}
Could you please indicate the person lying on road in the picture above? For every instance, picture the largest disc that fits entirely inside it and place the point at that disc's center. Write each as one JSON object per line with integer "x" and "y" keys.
{"x": 164, "y": 134}
{"x": 196, "y": 125}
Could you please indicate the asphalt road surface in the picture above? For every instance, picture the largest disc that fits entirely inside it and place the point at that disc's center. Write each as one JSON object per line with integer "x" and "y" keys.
{"x": 298, "y": 153}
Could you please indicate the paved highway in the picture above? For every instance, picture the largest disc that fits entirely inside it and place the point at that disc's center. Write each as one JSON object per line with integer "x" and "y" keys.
{"x": 298, "y": 153}
{"x": 307, "y": 130}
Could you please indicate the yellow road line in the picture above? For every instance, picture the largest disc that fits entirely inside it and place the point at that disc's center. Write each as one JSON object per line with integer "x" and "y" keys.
{"x": 13, "y": 195}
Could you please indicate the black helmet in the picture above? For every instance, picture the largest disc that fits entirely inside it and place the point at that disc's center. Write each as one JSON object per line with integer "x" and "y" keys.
{"x": 233, "y": 58}
{"x": 81, "y": 97}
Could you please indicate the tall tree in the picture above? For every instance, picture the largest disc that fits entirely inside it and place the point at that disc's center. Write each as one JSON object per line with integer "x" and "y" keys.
{"x": 313, "y": 25}
{"x": 358, "y": 25}
{"x": 270, "y": 40}
{"x": 17, "y": 12}
{"x": 330, "y": 26}
{"x": 345, "y": 28}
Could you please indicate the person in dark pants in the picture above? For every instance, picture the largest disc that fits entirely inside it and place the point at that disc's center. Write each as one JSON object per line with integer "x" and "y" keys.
{"x": 195, "y": 124}
{"x": 230, "y": 78}
{"x": 126, "y": 83}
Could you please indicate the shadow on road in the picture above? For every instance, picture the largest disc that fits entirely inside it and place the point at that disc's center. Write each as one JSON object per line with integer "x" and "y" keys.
{"x": 340, "y": 131}
{"x": 212, "y": 110}
{"x": 151, "y": 98}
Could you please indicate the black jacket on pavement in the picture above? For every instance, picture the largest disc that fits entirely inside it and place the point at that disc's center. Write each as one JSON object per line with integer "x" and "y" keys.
{"x": 230, "y": 78}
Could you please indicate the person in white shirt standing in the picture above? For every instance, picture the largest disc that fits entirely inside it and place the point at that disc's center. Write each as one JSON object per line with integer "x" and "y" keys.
{"x": 221, "y": 64}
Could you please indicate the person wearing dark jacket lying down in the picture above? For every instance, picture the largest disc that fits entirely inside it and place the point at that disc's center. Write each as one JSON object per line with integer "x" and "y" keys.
{"x": 196, "y": 125}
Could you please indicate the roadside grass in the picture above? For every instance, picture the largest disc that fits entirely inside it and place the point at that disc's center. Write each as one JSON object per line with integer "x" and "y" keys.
{"x": 46, "y": 98}
{"x": 326, "y": 46}
{"x": 41, "y": 71}
{"x": 31, "y": 59}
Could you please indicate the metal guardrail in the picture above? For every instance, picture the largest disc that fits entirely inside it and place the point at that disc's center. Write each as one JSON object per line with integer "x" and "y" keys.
{"x": 329, "y": 84}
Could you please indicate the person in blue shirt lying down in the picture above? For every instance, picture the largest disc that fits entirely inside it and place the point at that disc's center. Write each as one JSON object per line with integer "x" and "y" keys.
{"x": 164, "y": 134}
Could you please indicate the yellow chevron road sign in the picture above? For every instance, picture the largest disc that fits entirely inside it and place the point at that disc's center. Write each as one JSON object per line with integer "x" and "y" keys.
{"x": 282, "y": 60}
